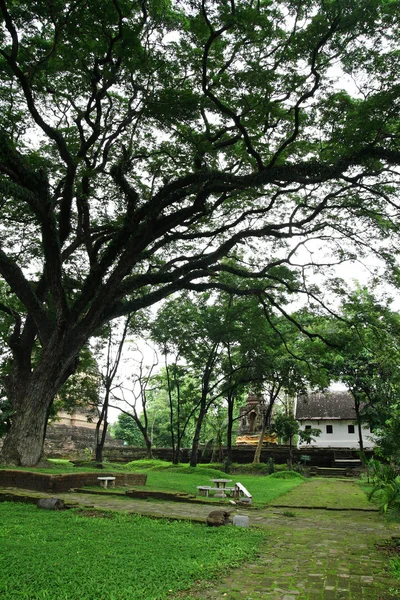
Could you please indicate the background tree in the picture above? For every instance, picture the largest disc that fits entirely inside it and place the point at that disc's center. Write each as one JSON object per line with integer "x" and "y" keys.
{"x": 143, "y": 142}
{"x": 134, "y": 402}
{"x": 114, "y": 344}
{"x": 222, "y": 343}
{"x": 363, "y": 354}
{"x": 287, "y": 428}
{"x": 126, "y": 429}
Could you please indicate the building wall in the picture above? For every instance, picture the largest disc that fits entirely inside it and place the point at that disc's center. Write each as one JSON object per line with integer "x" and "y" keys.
{"x": 340, "y": 436}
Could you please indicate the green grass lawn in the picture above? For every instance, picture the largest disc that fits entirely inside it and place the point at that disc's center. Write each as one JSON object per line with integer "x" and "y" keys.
{"x": 263, "y": 489}
{"x": 328, "y": 493}
{"x": 50, "y": 555}
{"x": 164, "y": 476}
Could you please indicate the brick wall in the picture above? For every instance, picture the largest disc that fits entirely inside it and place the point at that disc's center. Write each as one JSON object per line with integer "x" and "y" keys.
{"x": 62, "y": 483}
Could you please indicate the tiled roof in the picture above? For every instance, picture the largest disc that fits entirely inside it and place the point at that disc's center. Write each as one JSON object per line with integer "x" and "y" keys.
{"x": 329, "y": 405}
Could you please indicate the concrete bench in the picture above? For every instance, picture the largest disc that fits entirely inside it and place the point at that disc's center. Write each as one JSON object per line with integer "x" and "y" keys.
{"x": 104, "y": 481}
{"x": 242, "y": 494}
{"x": 219, "y": 492}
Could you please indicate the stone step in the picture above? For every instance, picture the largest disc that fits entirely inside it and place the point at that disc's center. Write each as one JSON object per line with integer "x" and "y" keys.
{"x": 330, "y": 471}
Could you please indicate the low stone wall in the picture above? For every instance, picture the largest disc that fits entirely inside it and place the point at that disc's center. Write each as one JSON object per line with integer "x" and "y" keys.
{"x": 51, "y": 484}
{"x": 319, "y": 457}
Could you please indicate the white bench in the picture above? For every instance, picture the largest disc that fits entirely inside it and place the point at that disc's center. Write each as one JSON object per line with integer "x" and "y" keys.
{"x": 203, "y": 490}
{"x": 104, "y": 481}
{"x": 242, "y": 494}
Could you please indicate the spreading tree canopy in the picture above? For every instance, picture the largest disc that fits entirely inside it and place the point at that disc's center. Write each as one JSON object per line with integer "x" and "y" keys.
{"x": 142, "y": 141}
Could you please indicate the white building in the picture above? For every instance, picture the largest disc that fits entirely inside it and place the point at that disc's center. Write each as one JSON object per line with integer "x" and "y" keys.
{"x": 334, "y": 414}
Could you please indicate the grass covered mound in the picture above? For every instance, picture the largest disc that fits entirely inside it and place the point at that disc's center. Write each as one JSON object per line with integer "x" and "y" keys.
{"x": 287, "y": 475}
{"x": 164, "y": 476}
{"x": 183, "y": 469}
{"x": 50, "y": 555}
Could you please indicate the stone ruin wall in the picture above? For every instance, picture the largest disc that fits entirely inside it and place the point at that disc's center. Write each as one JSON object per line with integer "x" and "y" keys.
{"x": 64, "y": 441}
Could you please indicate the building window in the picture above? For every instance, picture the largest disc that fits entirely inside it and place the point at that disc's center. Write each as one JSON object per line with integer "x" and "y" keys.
{"x": 307, "y": 427}
{"x": 350, "y": 428}
{"x": 329, "y": 429}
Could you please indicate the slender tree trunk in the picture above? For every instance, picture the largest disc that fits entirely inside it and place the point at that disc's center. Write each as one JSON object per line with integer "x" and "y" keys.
{"x": 149, "y": 447}
{"x": 176, "y": 453}
{"x": 290, "y": 461}
{"x": 171, "y": 411}
{"x": 257, "y": 453}
{"x": 196, "y": 437}
{"x": 265, "y": 424}
{"x": 101, "y": 438}
{"x": 360, "y": 441}
{"x": 203, "y": 404}
{"x": 359, "y": 428}
{"x": 231, "y": 401}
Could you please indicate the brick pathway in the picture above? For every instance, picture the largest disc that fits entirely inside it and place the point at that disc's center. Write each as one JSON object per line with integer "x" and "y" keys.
{"x": 307, "y": 555}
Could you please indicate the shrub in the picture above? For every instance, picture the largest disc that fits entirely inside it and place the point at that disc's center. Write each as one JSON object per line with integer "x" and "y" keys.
{"x": 386, "y": 495}
{"x": 287, "y": 475}
{"x": 381, "y": 472}
{"x": 270, "y": 465}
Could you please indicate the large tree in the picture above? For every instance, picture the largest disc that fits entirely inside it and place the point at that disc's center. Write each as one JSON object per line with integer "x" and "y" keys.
{"x": 142, "y": 141}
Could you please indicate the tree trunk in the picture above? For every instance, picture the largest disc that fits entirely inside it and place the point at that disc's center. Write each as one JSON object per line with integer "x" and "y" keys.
{"x": 196, "y": 437}
{"x": 101, "y": 439}
{"x": 149, "y": 447}
{"x": 290, "y": 461}
{"x": 265, "y": 424}
{"x": 257, "y": 453}
{"x": 357, "y": 403}
{"x": 23, "y": 444}
{"x": 231, "y": 401}
{"x": 361, "y": 442}
{"x": 176, "y": 452}
{"x": 31, "y": 395}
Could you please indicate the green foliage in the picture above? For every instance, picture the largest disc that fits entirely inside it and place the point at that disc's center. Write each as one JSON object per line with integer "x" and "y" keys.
{"x": 286, "y": 427}
{"x": 144, "y": 144}
{"x": 270, "y": 465}
{"x": 379, "y": 472}
{"x": 394, "y": 566}
{"x": 126, "y": 429}
{"x": 386, "y": 494}
{"x": 385, "y": 417}
{"x": 147, "y": 464}
{"x": 87, "y": 557}
{"x": 363, "y": 353}
{"x": 251, "y": 469}
{"x": 386, "y": 488}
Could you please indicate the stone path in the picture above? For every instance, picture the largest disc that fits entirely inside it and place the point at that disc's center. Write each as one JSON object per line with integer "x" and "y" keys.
{"x": 307, "y": 555}
{"x": 316, "y": 556}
